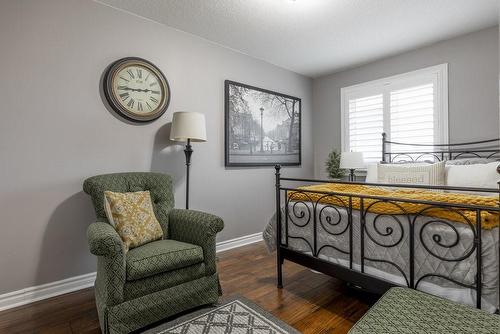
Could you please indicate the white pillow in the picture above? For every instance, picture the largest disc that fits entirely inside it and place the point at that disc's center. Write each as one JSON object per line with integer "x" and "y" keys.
{"x": 421, "y": 174}
{"x": 476, "y": 176}
{"x": 371, "y": 174}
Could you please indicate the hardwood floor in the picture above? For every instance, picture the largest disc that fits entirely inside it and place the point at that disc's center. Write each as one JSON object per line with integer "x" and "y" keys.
{"x": 310, "y": 302}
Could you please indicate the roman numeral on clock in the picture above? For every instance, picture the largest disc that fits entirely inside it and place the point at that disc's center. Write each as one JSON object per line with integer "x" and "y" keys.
{"x": 153, "y": 99}
{"x": 149, "y": 106}
{"x": 129, "y": 71}
{"x": 122, "y": 87}
{"x": 139, "y": 73}
{"x": 131, "y": 103}
{"x": 124, "y": 96}
{"x": 139, "y": 106}
{"x": 155, "y": 91}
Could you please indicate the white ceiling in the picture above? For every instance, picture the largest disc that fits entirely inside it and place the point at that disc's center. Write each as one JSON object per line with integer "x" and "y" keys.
{"x": 316, "y": 37}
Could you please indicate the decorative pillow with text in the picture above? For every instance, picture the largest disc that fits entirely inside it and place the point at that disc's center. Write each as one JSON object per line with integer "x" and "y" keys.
{"x": 425, "y": 174}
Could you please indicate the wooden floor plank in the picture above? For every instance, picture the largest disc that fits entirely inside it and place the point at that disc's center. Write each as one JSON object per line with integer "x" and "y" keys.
{"x": 311, "y": 302}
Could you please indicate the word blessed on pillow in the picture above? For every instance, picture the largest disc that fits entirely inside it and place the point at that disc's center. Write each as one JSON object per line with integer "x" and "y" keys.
{"x": 425, "y": 174}
{"x": 404, "y": 178}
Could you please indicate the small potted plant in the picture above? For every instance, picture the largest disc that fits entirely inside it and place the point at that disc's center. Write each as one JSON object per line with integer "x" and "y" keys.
{"x": 333, "y": 166}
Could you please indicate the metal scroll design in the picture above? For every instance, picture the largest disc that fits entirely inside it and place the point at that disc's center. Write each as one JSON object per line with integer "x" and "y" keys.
{"x": 331, "y": 215}
{"x": 398, "y": 152}
{"x": 330, "y": 219}
{"x": 302, "y": 210}
{"x": 299, "y": 210}
{"x": 446, "y": 242}
{"x": 399, "y": 157}
{"x": 495, "y": 155}
{"x": 394, "y": 231}
{"x": 468, "y": 155}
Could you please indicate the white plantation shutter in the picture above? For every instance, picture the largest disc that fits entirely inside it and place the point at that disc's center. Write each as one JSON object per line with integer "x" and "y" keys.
{"x": 409, "y": 108}
{"x": 366, "y": 123}
{"x": 412, "y": 116}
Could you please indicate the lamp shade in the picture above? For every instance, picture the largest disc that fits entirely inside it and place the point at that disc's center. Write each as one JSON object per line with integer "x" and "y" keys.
{"x": 188, "y": 125}
{"x": 352, "y": 160}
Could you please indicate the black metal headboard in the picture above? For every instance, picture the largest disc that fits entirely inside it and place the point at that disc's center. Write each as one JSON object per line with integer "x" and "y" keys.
{"x": 391, "y": 152}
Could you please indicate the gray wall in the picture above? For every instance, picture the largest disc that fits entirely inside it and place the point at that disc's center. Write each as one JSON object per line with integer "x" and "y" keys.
{"x": 472, "y": 84}
{"x": 55, "y": 130}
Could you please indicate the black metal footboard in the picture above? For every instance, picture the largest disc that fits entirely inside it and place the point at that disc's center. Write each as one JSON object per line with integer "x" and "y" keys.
{"x": 406, "y": 232}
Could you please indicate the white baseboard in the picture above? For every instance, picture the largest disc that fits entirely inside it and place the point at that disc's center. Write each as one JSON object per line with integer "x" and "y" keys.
{"x": 238, "y": 242}
{"x": 44, "y": 291}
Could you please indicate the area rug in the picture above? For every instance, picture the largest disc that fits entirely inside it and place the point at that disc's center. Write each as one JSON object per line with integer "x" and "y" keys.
{"x": 235, "y": 316}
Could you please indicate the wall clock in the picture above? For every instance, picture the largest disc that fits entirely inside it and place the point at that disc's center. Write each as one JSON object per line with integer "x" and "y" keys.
{"x": 136, "y": 89}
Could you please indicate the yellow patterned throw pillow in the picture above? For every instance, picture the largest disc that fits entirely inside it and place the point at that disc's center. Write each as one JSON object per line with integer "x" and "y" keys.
{"x": 132, "y": 215}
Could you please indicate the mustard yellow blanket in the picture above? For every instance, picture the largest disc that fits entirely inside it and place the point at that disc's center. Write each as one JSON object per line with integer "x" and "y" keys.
{"x": 489, "y": 220}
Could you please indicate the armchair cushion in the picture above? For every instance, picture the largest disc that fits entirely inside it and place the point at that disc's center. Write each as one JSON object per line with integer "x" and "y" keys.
{"x": 161, "y": 256}
{"x": 199, "y": 228}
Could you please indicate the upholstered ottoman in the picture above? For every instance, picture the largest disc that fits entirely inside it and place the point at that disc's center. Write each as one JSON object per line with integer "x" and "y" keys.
{"x": 403, "y": 310}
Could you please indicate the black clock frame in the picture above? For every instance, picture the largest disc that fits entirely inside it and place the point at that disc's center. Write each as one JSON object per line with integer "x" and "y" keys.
{"x": 116, "y": 106}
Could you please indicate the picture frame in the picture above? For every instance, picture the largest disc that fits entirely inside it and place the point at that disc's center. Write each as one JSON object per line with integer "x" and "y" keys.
{"x": 262, "y": 127}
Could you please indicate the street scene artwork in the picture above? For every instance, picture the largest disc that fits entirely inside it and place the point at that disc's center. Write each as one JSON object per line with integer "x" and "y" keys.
{"x": 262, "y": 127}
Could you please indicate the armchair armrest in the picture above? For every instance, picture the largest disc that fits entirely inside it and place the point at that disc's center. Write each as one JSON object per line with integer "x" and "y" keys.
{"x": 103, "y": 239}
{"x": 197, "y": 228}
{"x": 194, "y": 224}
{"x": 106, "y": 244}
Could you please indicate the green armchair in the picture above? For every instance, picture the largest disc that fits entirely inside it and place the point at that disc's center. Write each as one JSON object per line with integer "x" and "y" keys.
{"x": 158, "y": 279}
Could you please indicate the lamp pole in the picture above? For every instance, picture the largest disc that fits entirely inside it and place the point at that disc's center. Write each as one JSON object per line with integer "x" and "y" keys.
{"x": 188, "y": 151}
{"x": 262, "y": 129}
{"x": 351, "y": 175}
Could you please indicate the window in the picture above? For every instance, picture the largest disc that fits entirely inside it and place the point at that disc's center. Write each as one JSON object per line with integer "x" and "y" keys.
{"x": 409, "y": 108}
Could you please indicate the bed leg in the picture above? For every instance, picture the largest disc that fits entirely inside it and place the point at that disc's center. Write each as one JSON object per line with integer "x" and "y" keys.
{"x": 280, "y": 272}
{"x": 279, "y": 258}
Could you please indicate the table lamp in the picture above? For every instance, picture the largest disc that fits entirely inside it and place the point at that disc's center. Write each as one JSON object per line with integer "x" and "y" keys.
{"x": 352, "y": 161}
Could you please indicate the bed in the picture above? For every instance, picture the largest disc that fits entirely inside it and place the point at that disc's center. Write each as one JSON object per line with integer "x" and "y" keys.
{"x": 370, "y": 235}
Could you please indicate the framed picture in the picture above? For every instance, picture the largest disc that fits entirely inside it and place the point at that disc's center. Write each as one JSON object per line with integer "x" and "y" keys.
{"x": 262, "y": 127}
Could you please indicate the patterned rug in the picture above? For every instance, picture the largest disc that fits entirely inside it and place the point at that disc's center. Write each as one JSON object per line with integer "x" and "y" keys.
{"x": 235, "y": 316}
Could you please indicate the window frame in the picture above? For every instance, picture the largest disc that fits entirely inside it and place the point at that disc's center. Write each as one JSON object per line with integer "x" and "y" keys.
{"x": 438, "y": 74}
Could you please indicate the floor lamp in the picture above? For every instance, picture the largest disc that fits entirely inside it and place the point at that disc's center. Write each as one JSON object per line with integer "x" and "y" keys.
{"x": 188, "y": 127}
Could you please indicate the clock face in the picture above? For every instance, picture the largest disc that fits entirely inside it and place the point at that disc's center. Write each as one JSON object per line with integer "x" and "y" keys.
{"x": 137, "y": 89}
